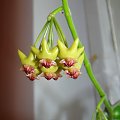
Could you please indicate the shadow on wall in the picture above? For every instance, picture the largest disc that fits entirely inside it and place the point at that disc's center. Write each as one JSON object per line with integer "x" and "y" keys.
{"x": 16, "y": 93}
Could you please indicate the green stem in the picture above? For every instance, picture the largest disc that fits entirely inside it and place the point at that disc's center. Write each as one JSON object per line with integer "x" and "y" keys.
{"x": 59, "y": 9}
{"x": 60, "y": 32}
{"x": 50, "y": 39}
{"x": 46, "y": 31}
{"x": 52, "y": 14}
{"x": 86, "y": 61}
{"x": 40, "y": 34}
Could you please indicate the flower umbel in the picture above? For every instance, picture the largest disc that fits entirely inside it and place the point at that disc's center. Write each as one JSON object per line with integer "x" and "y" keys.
{"x": 69, "y": 53}
{"x": 71, "y": 58}
{"x": 49, "y": 62}
{"x": 45, "y": 52}
{"x": 29, "y": 65}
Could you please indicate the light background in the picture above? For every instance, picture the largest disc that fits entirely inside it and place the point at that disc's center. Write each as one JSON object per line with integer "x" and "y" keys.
{"x": 98, "y": 27}
{"x": 69, "y": 99}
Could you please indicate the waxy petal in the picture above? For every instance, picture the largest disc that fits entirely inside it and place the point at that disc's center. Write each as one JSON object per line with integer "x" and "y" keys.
{"x": 48, "y": 70}
{"x": 79, "y": 62}
{"x": 72, "y": 52}
{"x": 80, "y": 51}
{"x": 22, "y": 56}
{"x": 74, "y": 45}
{"x": 27, "y": 60}
{"x": 45, "y": 52}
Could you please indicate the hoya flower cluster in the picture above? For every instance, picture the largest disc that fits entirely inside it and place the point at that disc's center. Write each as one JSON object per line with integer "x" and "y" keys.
{"x": 50, "y": 62}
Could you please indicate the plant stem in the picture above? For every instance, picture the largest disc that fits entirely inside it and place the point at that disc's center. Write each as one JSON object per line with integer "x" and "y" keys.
{"x": 50, "y": 39}
{"x": 52, "y": 14}
{"x": 40, "y": 34}
{"x": 86, "y": 60}
{"x": 46, "y": 30}
{"x": 60, "y": 32}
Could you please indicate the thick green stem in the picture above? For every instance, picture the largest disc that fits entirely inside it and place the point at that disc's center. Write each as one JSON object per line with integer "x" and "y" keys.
{"x": 52, "y": 14}
{"x": 86, "y": 60}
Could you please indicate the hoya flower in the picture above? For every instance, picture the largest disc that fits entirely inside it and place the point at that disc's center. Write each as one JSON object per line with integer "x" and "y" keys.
{"x": 73, "y": 72}
{"x": 45, "y": 52}
{"x": 71, "y": 58}
{"x": 30, "y": 71}
{"x": 70, "y": 53}
{"x": 48, "y": 76}
{"x": 31, "y": 76}
{"x": 27, "y": 69}
{"x": 49, "y": 73}
{"x": 46, "y": 55}
{"x": 52, "y": 75}
{"x": 29, "y": 65}
{"x": 68, "y": 62}
{"x": 57, "y": 74}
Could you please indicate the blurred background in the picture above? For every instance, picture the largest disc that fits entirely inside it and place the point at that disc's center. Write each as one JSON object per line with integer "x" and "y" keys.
{"x": 97, "y": 24}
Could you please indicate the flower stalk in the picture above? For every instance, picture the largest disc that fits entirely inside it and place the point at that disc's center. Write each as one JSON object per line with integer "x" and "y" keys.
{"x": 87, "y": 64}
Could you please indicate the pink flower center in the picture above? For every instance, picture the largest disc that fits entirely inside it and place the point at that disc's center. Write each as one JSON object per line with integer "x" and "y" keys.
{"x": 73, "y": 73}
{"x": 68, "y": 62}
{"x": 31, "y": 76}
{"x": 56, "y": 76}
{"x": 28, "y": 69}
{"x": 30, "y": 72}
{"x": 47, "y": 63}
{"x": 48, "y": 76}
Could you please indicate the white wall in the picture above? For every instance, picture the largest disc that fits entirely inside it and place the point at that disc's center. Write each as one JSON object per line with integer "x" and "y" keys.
{"x": 63, "y": 99}
{"x": 114, "y": 8}
{"x": 106, "y": 67}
